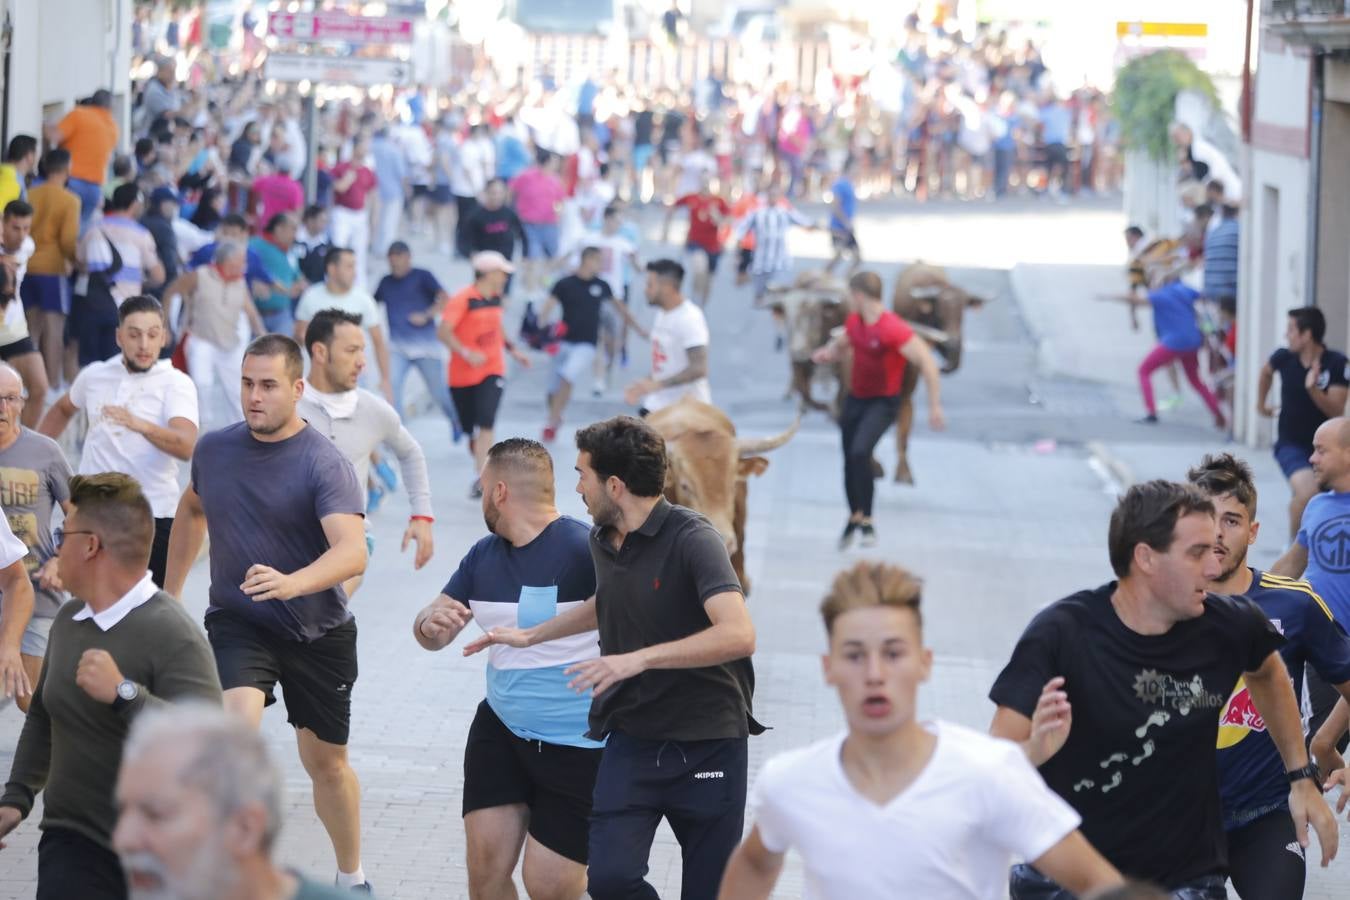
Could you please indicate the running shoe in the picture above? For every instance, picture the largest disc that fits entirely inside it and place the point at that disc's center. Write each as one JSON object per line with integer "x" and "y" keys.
{"x": 374, "y": 497}
{"x": 387, "y": 474}
{"x": 476, "y": 490}
{"x": 868, "y": 535}
{"x": 1150, "y": 419}
{"x": 364, "y": 887}
{"x": 550, "y": 433}
{"x": 846, "y": 538}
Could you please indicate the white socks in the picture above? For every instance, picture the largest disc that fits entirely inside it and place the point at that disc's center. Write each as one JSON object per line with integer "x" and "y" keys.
{"x": 351, "y": 879}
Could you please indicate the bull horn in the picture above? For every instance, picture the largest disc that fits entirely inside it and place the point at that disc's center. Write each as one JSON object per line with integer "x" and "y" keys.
{"x": 932, "y": 335}
{"x": 764, "y": 445}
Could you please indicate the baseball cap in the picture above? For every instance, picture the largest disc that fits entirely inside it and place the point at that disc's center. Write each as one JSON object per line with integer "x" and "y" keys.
{"x": 491, "y": 261}
{"x": 161, "y": 194}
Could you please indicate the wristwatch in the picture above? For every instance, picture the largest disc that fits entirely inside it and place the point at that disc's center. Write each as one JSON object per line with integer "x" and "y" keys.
{"x": 126, "y": 692}
{"x": 1308, "y": 771}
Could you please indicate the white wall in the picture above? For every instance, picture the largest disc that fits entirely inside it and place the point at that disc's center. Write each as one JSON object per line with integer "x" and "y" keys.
{"x": 1275, "y": 236}
{"x": 64, "y": 50}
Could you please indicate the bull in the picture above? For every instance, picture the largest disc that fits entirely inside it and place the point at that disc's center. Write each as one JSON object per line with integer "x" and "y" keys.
{"x": 812, "y": 308}
{"x": 934, "y": 307}
{"x": 709, "y": 467}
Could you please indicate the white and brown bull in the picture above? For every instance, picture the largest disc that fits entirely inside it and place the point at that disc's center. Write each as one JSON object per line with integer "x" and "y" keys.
{"x": 709, "y": 467}
{"x": 812, "y": 308}
{"x": 926, "y": 298}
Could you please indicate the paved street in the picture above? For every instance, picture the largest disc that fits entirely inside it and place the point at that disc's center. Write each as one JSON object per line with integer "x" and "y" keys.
{"x": 1009, "y": 513}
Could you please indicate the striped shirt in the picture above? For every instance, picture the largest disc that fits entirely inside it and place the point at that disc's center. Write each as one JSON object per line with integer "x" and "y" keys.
{"x": 770, "y": 225}
{"x": 1221, "y": 260}
{"x": 134, "y": 243}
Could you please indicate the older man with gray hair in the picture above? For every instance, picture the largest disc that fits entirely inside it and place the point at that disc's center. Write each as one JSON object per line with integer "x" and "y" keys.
{"x": 200, "y": 809}
{"x": 218, "y": 314}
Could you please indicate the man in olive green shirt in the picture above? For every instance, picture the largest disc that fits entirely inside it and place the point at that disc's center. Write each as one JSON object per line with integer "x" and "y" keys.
{"x": 127, "y": 647}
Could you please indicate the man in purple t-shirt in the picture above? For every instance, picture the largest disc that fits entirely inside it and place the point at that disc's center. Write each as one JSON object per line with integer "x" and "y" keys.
{"x": 284, "y": 510}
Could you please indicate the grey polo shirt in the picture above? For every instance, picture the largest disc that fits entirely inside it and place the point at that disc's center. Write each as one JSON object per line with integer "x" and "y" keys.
{"x": 651, "y": 591}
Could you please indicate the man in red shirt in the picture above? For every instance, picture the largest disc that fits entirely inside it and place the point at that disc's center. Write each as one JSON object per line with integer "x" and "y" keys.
{"x": 703, "y": 244}
{"x": 352, "y": 183}
{"x": 882, "y": 343}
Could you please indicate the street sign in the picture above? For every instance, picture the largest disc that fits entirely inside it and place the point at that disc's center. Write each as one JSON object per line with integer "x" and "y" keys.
{"x": 337, "y": 69}
{"x": 334, "y": 26}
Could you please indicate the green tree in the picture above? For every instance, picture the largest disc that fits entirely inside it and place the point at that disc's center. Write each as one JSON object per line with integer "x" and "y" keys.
{"x": 1146, "y": 94}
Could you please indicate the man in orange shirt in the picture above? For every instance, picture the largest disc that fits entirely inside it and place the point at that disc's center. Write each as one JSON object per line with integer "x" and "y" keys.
{"x": 46, "y": 289}
{"x": 90, "y": 134}
{"x": 471, "y": 326}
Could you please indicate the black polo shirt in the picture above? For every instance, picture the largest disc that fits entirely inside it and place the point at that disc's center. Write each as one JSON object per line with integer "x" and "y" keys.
{"x": 651, "y": 591}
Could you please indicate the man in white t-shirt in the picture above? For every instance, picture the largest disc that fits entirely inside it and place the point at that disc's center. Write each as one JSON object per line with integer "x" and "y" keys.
{"x": 339, "y": 290}
{"x": 679, "y": 336}
{"x": 143, "y": 417}
{"x": 696, "y": 165}
{"x": 938, "y": 808}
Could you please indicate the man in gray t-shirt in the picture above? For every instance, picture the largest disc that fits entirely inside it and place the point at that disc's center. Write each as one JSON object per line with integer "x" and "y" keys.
{"x": 284, "y": 511}
{"x": 34, "y": 479}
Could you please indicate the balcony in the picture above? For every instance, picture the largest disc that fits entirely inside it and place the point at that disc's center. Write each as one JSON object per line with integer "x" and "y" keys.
{"x": 1319, "y": 24}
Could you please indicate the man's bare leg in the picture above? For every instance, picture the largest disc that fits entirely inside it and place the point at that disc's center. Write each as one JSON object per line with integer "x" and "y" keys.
{"x": 337, "y": 796}
{"x": 493, "y": 838}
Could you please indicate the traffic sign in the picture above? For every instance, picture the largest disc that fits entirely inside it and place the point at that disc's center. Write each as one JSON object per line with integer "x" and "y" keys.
{"x": 336, "y": 26}
{"x": 337, "y": 69}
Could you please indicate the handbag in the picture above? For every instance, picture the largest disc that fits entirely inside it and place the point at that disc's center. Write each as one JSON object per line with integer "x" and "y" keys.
{"x": 99, "y": 300}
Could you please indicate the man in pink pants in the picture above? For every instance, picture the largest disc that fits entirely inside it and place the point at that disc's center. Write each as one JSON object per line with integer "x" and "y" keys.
{"x": 1179, "y": 340}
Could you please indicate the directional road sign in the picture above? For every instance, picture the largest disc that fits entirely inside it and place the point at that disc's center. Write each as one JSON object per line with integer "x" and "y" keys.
{"x": 337, "y": 69}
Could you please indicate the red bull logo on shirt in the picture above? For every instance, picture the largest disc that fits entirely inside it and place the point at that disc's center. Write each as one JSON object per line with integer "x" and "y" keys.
{"x": 1239, "y": 717}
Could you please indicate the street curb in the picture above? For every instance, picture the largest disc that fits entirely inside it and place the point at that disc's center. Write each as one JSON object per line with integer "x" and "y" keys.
{"x": 1113, "y": 467}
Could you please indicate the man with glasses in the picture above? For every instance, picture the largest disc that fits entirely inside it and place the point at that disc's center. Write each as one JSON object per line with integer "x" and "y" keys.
{"x": 125, "y": 647}
{"x": 34, "y": 480}
{"x": 142, "y": 416}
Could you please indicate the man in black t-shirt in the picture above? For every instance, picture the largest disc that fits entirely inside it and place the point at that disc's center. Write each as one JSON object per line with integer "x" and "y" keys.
{"x": 1115, "y": 694}
{"x": 1313, "y": 386}
{"x": 581, "y": 296}
{"x": 494, "y": 225}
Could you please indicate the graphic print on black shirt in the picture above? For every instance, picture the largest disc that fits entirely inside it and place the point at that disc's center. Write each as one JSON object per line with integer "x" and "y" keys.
{"x": 1139, "y": 764}
{"x": 581, "y": 300}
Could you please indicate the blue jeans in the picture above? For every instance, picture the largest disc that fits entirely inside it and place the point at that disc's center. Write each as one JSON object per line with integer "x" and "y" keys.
{"x": 279, "y": 322}
{"x": 91, "y": 198}
{"x": 1028, "y": 884}
{"x": 432, "y": 370}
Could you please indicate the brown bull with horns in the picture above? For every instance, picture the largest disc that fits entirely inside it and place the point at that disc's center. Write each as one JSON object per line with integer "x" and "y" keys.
{"x": 708, "y": 468}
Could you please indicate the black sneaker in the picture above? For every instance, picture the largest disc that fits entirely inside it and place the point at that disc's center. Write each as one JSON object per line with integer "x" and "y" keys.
{"x": 847, "y": 537}
{"x": 1150, "y": 419}
{"x": 868, "y": 535}
{"x": 476, "y": 490}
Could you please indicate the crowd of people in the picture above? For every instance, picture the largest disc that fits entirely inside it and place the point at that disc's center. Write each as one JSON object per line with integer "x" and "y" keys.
{"x": 140, "y": 291}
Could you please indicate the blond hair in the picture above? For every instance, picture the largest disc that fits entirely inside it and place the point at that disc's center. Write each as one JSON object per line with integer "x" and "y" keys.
{"x": 870, "y": 584}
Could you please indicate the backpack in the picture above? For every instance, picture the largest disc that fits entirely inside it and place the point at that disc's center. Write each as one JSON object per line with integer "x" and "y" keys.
{"x": 312, "y": 263}
{"x": 100, "y": 302}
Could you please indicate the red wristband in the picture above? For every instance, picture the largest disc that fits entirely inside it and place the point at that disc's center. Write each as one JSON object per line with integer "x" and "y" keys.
{"x": 421, "y": 519}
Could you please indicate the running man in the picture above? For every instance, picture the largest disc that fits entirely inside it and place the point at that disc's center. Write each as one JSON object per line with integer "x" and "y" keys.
{"x": 822, "y": 800}
{"x": 358, "y": 421}
{"x": 529, "y": 768}
{"x": 679, "y": 336}
{"x": 770, "y": 222}
{"x": 583, "y": 296}
{"x": 1314, "y": 382}
{"x": 143, "y": 416}
{"x": 1113, "y": 691}
{"x": 35, "y": 482}
{"x": 673, "y": 686}
{"x": 703, "y": 242}
{"x": 471, "y": 326}
{"x": 882, "y": 344}
{"x": 284, "y": 511}
{"x": 843, "y": 215}
{"x": 1264, "y": 856}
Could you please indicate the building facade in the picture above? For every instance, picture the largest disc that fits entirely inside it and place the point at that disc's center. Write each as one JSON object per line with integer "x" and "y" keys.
{"x": 56, "y": 52}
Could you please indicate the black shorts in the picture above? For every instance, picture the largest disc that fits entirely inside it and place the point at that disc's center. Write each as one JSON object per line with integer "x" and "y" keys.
{"x": 316, "y": 677}
{"x": 744, "y": 257}
{"x": 712, "y": 255}
{"x": 843, "y": 239}
{"x": 555, "y": 781}
{"x": 477, "y": 404}
{"x": 20, "y": 347}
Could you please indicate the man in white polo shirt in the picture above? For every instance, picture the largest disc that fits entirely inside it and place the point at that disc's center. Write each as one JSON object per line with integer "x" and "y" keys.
{"x": 340, "y": 289}
{"x": 142, "y": 417}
